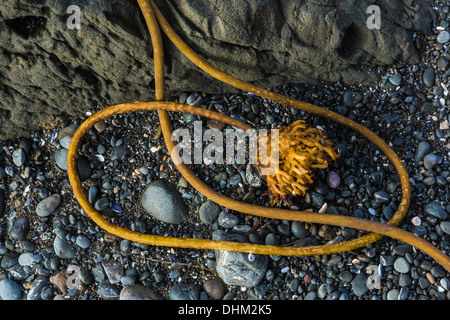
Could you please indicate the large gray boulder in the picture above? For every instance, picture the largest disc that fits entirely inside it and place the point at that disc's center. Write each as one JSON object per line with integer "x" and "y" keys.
{"x": 50, "y": 72}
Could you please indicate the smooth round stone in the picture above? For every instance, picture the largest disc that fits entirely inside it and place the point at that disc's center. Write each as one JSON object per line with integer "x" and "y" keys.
{"x": 19, "y": 157}
{"x": 65, "y": 141}
{"x": 138, "y": 292}
{"x": 101, "y": 204}
{"x": 359, "y": 285}
{"x": 351, "y": 98}
{"x": 48, "y": 205}
{"x": 227, "y": 220}
{"x": 163, "y": 202}
{"x": 317, "y": 199}
{"x": 422, "y": 150}
{"x": 434, "y": 209}
{"x": 430, "y": 160}
{"x": 443, "y": 37}
{"x": 442, "y": 63}
{"x": 208, "y": 212}
{"x": 214, "y": 288}
{"x": 83, "y": 168}
{"x": 63, "y": 249}
{"x": 395, "y": 79}
{"x": 20, "y": 228}
{"x": 429, "y": 77}
{"x": 92, "y": 194}
{"x": 299, "y": 230}
{"x": 445, "y": 226}
{"x": 402, "y": 265}
{"x": 10, "y": 290}
{"x": 61, "y": 158}
{"x": 83, "y": 241}
{"x": 393, "y": 294}
{"x": 29, "y": 258}
{"x": 333, "y": 180}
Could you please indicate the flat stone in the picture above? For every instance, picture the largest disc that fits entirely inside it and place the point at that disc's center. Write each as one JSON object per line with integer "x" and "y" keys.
{"x": 333, "y": 49}
{"x": 61, "y": 158}
{"x": 359, "y": 285}
{"x": 19, "y": 157}
{"x": 184, "y": 291}
{"x": 402, "y": 265}
{"x": 48, "y": 205}
{"x": 113, "y": 269}
{"x": 443, "y": 37}
{"x": 435, "y": 209}
{"x": 10, "y": 290}
{"x": 445, "y": 226}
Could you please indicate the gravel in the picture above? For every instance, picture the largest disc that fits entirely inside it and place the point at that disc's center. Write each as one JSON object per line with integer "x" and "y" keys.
{"x": 128, "y": 176}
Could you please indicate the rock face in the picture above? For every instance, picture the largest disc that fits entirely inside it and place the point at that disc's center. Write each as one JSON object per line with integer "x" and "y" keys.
{"x": 50, "y": 72}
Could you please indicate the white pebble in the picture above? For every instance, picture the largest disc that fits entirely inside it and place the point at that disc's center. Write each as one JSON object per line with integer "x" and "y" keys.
{"x": 416, "y": 221}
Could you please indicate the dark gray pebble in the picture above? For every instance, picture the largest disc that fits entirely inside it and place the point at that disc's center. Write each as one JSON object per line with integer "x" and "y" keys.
{"x": 422, "y": 150}
{"x": 208, "y": 212}
{"x": 429, "y": 77}
{"x": 20, "y": 228}
{"x": 63, "y": 248}
{"x": 351, "y": 98}
{"x": 359, "y": 285}
{"x": 101, "y": 204}
{"x": 430, "y": 160}
{"x": 435, "y": 209}
{"x": 162, "y": 201}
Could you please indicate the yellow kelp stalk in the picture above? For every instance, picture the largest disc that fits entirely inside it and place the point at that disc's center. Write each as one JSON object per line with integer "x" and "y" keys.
{"x": 155, "y": 20}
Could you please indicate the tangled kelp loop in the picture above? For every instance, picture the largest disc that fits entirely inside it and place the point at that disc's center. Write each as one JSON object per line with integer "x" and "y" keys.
{"x": 301, "y": 150}
{"x": 155, "y": 20}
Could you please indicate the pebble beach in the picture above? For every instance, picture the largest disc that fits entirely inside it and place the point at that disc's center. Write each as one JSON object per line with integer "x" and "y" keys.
{"x": 50, "y": 249}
